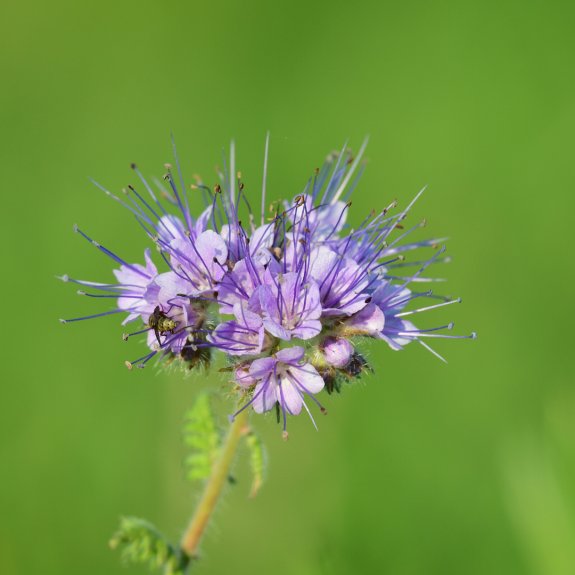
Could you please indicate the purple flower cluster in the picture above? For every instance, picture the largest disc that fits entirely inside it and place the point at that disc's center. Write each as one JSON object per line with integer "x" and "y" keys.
{"x": 286, "y": 296}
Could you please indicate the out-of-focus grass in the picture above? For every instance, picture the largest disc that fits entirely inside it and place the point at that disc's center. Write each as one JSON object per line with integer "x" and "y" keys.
{"x": 426, "y": 468}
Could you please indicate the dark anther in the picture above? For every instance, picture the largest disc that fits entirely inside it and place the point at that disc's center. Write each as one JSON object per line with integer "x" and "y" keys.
{"x": 131, "y": 187}
{"x": 215, "y": 260}
{"x": 133, "y": 166}
{"x": 218, "y": 189}
{"x": 302, "y": 242}
{"x": 241, "y": 185}
{"x": 399, "y": 226}
{"x": 368, "y": 300}
{"x": 307, "y": 231}
{"x": 316, "y": 171}
{"x": 165, "y": 176}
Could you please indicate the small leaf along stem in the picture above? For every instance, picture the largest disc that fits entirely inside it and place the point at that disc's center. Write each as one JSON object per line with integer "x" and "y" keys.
{"x": 216, "y": 481}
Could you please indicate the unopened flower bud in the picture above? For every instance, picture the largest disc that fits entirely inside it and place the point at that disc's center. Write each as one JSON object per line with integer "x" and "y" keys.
{"x": 337, "y": 351}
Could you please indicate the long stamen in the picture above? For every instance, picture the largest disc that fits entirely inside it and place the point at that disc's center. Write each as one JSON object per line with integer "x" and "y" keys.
{"x": 111, "y": 255}
{"x": 458, "y": 300}
{"x": 265, "y": 176}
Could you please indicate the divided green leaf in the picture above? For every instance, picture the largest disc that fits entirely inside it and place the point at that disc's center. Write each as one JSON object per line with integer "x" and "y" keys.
{"x": 202, "y": 435}
{"x": 258, "y": 459}
{"x": 143, "y": 543}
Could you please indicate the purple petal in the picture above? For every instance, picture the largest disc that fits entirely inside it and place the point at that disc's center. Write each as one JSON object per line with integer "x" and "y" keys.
{"x": 263, "y": 237}
{"x": 266, "y": 400}
{"x": 292, "y": 397}
{"x": 151, "y": 268}
{"x": 210, "y": 245}
{"x": 369, "y": 321}
{"x": 277, "y": 330}
{"x": 269, "y": 302}
{"x": 240, "y": 284}
{"x": 202, "y": 221}
{"x": 170, "y": 227}
{"x": 152, "y": 292}
{"x": 291, "y": 355}
{"x": 173, "y": 284}
{"x": 308, "y": 377}
{"x": 262, "y": 367}
{"x": 247, "y": 318}
{"x": 126, "y": 276}
{"x": 307, "y": 329}
{"x": 393, "y": 324}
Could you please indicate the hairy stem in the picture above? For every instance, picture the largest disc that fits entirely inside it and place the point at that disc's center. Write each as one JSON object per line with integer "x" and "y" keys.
{"x": 217, "y": 480}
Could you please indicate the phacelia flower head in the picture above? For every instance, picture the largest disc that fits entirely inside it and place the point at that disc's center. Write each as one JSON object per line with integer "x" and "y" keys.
{"x": 287, "y": 295}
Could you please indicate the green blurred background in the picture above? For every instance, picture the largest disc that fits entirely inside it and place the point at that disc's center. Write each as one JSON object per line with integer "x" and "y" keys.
{"x": 425, "y": 468}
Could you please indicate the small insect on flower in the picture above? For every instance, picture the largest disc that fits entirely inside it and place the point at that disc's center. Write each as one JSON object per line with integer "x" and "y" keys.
{"x": 161, "y": 323}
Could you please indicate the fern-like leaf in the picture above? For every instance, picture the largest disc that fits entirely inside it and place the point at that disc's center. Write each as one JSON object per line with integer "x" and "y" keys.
{"x": 258, "y": 459}
{"x": 202, "y": 435}
{"x": 143, "y": 543}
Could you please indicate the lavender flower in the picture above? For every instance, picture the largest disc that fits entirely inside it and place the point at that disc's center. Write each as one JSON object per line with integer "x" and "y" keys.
{"x": 303, "y": 289}
{"x": 282, "y": 381}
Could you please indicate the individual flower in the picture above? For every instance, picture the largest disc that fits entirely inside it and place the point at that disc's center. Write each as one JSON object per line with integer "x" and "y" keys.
{"x": 290, "y": 309}
{"x": 284, "y": 381}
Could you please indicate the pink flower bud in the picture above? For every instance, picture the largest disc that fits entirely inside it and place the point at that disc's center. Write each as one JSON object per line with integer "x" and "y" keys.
{"x": 337, "y": 352}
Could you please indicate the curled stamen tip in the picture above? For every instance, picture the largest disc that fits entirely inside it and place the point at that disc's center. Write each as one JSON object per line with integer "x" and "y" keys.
{"x": 285, "y": 435}
{"x": 94, "y": 242}
{"x": 65, "y": 278}
{"x": 450, "y": 326}
{"x": 141, "y": 366}
{"x": 443, "y": 248}
{"x": 125, "y": 336}
{"x": 473, "y": 335}
{"x": 231, "y": 418}
{"x": 62, "y": 320}
{"x": 133, "y": 166}
{"x": 76, "y": 228}
{"x": 458, "y": 300}
{"x": 80, "y": 292}
{"x": 129, "y": 365}
{"x": 323, "y": 410}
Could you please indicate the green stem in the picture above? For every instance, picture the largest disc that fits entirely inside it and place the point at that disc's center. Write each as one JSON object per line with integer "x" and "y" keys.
{"x": 218, "y": 478}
